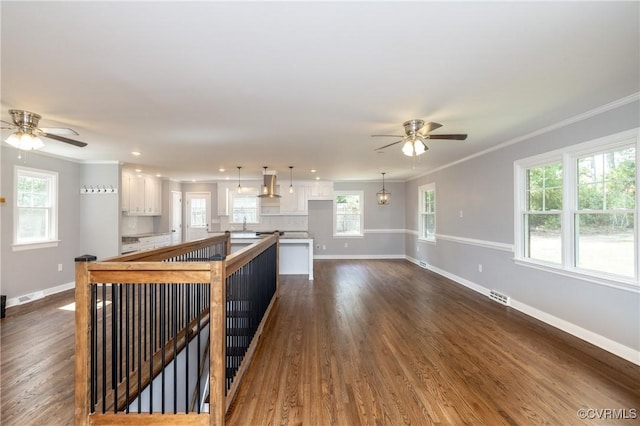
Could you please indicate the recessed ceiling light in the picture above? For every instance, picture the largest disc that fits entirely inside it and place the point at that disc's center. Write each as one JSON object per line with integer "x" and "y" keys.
{"x": 138, "y": 170}
{"x": 313, "y": 170}
{"x": 136, "y": 153}
{"x": 317, "y": 177}
{"x": 158, "y": 175}
{"x": 221, "y": 169}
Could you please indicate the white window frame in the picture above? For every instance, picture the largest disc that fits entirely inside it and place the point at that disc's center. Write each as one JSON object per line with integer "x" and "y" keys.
{"x": 335, "y": 214}
{"x": 51, "y": 239}
{"x": 421, "y": 212}
{"x": 245, "y": 193}
{"x": 569, "y": 158}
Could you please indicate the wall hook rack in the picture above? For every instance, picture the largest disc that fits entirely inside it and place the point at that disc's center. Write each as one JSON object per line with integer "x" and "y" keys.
{"x": 98, "y": 189}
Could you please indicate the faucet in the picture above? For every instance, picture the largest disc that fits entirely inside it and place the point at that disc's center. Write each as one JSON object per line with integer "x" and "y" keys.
{"x": 244, "y": 224}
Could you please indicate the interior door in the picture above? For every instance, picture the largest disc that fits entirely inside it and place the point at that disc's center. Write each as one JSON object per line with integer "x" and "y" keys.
{"x": 198, "y": 214}
{"x": 176, "y": 217}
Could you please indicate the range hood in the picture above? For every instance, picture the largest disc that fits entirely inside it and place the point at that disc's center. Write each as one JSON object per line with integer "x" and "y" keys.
{"x": 270, "y": 185}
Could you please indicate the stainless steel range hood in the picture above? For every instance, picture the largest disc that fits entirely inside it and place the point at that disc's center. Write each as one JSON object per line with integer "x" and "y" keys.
{"x": 270, "y": 186}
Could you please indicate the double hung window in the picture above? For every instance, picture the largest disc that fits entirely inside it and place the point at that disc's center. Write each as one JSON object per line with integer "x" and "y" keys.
{"x": 35, "y": 210}
{"x": 577, "y": 209}
{"x": 348, "y": 214}
{"x": 427, "y": 224}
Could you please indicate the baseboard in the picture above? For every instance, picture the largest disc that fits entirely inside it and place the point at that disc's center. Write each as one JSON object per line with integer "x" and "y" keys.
{"x": 595, "y": 339}
{"x": 26, "y": 298}
{"x": 357, "y": 256}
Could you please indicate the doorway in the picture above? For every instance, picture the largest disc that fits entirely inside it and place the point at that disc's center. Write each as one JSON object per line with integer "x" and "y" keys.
{"x": 198, "y": 214}
{"x": 176, "y": 217}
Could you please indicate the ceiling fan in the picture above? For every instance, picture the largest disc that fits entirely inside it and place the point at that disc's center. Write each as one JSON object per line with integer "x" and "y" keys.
{"x": 416, "y": 133}
{"x": 27, "y": 134}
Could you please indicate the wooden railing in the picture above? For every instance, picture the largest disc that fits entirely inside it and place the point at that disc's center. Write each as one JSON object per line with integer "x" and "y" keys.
{"x": 137, "y": 313}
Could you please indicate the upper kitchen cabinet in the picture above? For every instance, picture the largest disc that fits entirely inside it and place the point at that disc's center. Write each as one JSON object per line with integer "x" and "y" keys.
{"x": 141, "y": 195}
{"x": 294, "y": 203}
{"x": 223, "y": 198}
{"x": 320, "y": 190}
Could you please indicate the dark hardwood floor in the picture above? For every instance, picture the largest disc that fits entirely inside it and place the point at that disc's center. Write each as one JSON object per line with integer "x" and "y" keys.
{"x": 367, "y": 342}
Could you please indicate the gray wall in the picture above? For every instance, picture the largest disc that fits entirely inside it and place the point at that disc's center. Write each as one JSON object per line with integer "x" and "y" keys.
{"x": 483, "y": 188}
{"x": 99, "y": 216}
{"x": 28, "y": 271}
{"x": 384, "y": 226}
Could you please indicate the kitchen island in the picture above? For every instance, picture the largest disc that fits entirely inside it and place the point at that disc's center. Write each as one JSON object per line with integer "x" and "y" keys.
{"x": 296, "y": 250}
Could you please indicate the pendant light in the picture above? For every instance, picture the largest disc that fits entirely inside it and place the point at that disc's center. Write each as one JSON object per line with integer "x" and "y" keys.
{"x": 239, "y": 187}
{"x": 383, "y": 195}
{"x": 290, "y": 179}
{"x": 265, "y": 189}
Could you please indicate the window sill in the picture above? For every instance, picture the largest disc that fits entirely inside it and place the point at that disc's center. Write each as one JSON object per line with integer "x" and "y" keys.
{"x": 348, "y": 236}
{"x": 614, "y": 281}
{"x": 35, "y": 246}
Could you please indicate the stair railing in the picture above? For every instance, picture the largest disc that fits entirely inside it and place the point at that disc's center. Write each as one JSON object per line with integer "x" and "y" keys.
{"x": 136, "y": 314}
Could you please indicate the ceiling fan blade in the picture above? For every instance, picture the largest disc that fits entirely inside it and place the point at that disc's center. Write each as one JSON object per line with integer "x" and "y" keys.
{"x": 387, "y": 136}
{"x": 66, "y": 140}
{"x": 429, "y": 127}
{"x": 387, "y": 146}
{"x": 454, "y": 137}
{"x": 59, "y": 131}
{"x": 10, "y": 124}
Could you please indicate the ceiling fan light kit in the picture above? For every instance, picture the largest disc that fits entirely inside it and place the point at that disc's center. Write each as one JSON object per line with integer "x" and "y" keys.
{"x": 24, "y": 141}
{"x": 416, "y": 132}
{"x": 26, "y": 136}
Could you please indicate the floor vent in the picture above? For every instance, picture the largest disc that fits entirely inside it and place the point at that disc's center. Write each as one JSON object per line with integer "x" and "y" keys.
{"x": 500, "y": 298}
{"x": 423, "y": 263}
{"x": 30, "y": 297}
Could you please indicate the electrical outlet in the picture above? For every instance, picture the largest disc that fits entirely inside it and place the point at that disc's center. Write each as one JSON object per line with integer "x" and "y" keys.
{"x": 418, "y": 249}
{"x": 460, "y": 213}
{"x": 479, "y": 267}
{"x": 346, "y": 245}
{"x": 59, "y": 267}
{"x": 324, "y": 247}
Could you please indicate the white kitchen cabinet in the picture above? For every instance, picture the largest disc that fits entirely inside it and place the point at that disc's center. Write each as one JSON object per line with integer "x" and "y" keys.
{"x": 296, "y": 203}
{"x": 321, "y": 190}
{"x": 141, "y": 195}
{"x": 136, "y": 195}
{"x": 125, "y": 192}
{"x": 152, "y": 196}
{"x": 223, "y": 199}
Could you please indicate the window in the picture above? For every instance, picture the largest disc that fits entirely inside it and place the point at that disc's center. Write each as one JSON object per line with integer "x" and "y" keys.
{"x": 543, "y": 213}
{"x": 35, "y": 214}
{"x": 576, "y": 209}
{"x": 244, "y": 207}
{"x": 198, "y": 212}
{"x": 427, "y": 200}
{"x": 348, "y": 214}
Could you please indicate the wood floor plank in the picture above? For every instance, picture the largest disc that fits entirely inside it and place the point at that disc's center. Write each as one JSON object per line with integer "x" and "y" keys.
{"x": 368, "y": 342}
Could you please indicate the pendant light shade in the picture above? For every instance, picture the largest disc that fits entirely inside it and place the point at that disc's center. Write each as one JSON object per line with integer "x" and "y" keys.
{"x": 383, "y": 195}
{"x": 265, "y": 189}
{"x": 24, "y": 141}
{"x": 290, "y": 179}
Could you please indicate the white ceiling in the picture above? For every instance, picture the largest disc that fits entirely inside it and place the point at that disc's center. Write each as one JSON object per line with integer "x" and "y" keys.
{"x": 198, "y": 86}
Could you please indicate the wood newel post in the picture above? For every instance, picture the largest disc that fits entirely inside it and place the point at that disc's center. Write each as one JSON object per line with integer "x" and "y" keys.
{"x": 228, "y": 244}
{"x": 82, "y": 315}
{"x": 217, "y": 342}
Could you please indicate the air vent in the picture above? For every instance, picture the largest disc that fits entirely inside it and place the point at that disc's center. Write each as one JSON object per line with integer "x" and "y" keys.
{"x": 500, "y": 298}
{"x": 30, "y": 297}
{"x": 423, "y": 264}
